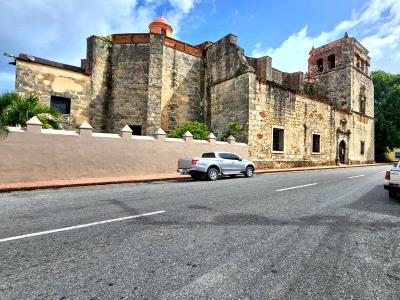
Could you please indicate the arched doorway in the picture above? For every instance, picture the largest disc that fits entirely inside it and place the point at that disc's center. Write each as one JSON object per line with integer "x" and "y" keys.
{"x": 342, "y": 152}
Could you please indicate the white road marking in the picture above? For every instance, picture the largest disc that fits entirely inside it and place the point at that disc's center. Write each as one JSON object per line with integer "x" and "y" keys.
{"x": 356, "y": 176}
{"x": 296, "y": 187}
{"x": 78, "y": 226}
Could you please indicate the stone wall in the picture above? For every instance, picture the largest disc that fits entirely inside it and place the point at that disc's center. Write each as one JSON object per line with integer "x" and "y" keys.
{"x": 153, "y": 110}
{"x": 129, "y": 85}
{"x": 225, "y": 60}
{"x": 227, "y": 80}
{"x": 362, "y": 130}
{"x": 97, "y": 63}
{"x": 181, "y": 88}
{"x": 300, "y": 117}
{"x": 59, "y": 154}
{"x": 362, "y": 86}
{"x": 46, "y": 81}
{"x": 335, "y": 85}
{"x": 230, "y": 102}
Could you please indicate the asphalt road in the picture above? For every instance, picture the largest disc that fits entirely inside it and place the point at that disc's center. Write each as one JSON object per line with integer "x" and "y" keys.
{"x": 334, "y": 237}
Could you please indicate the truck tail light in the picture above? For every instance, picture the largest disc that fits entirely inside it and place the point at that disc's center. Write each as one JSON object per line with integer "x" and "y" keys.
{"x": 194, "y": 161}
{"x": 387, "y": 175}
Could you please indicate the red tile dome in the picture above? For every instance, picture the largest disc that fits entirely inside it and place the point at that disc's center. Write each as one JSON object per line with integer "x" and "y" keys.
{"x": 161, "y": 19}
{"x": 161, "y": 26}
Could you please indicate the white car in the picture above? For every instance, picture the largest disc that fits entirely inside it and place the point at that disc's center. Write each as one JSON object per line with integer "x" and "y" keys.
{"x": 392, "y": 181}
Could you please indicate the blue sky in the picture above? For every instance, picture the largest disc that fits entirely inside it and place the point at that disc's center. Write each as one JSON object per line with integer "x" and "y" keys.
{"x": 284, "y": 30}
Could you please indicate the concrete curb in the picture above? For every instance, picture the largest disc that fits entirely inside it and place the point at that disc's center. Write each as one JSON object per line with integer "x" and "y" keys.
{"x": 318, "y": 168}
{"x": 26, "y": 186}
{"x": 52, "y": 184}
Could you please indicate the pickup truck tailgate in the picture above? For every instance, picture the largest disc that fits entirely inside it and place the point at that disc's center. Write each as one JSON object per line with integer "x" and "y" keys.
{"x": 185, "y": 163}
{"x": 395, "y": 176}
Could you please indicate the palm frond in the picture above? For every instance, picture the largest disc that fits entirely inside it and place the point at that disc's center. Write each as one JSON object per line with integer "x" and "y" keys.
{"x": 16, "y": 110}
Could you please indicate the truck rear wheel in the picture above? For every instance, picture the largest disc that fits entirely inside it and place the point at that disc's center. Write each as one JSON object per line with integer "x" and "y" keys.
{"x": 249, "y": 171}
{"x": 212, "y": 174}
{"x": 196, "y": 175}
{"x": 393, "y": 194}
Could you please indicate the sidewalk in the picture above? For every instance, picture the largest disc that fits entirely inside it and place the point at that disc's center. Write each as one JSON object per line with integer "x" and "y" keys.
{"x": 18, "y": 186}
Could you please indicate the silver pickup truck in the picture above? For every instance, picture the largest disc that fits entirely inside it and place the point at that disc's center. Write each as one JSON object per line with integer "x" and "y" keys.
{"x": 214, "y": 163}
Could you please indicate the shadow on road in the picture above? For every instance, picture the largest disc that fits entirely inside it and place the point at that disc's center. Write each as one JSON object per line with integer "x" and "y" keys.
{"x": 377, "y": 201}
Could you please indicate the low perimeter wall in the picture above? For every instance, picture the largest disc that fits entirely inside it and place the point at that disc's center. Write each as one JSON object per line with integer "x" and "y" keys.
{"x": 38, "y": 154}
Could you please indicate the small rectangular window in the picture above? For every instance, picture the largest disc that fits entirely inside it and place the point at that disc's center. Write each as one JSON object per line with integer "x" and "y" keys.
{"x": 320, "y": 65}
{"x": 278, "y": 139}
{"x": 136, "y": 129}
{"x": 62, "y": 104}
{"x": 332, "y": 61}
{"x": 362, "y": 105}
{"x": 316, "y": 143}
{"x": 362, "y": 148}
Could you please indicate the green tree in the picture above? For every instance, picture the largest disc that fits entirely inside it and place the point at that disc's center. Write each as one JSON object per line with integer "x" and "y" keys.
{"x": 387, "y": 112}
{"x": 16, "y": 110}
{"x": 199, "y": 130}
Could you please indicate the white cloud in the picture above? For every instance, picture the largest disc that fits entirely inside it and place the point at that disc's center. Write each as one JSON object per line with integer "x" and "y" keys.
{"x": 183, "y": 5}
{"x": 57, "y": 30}
{"x": 376, "y": 26}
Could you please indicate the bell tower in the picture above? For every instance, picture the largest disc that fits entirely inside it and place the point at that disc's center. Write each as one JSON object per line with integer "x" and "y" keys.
{"x": 339, "y": 72}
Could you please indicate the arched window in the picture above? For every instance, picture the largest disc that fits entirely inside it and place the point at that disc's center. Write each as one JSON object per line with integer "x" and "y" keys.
{"x": 363, "y": 99}
{"x": 331, "y": 61}
{"x": 320, "y": 65}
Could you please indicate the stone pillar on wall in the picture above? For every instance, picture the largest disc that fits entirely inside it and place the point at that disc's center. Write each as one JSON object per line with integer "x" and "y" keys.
{"x": 211, "y": 138}
{"x": 160, "y": 135}
{"x": 187, "y": 137}
{"x": 33, "y": 125}
{"x": 98, "y": 65}
{"x": 126, "y": 133}
{"x": 153, "y": 112}
{"x": 85, "y": 130}
{"x": 264, "y": 68}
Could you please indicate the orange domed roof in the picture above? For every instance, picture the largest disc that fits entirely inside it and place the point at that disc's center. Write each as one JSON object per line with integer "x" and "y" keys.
{"x": 160, "y": 22}
{"x": 161, "y": 19}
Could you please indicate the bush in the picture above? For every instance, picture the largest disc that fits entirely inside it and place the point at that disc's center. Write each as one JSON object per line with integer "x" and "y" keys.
{"x": 199, "y": 130}
{"x": 234, "y": 129}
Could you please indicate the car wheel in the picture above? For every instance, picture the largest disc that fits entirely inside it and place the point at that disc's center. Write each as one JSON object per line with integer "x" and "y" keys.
{"x": 249, "y": 172}
{"x": 393, "y": 194}
{"x": 212, "y": 174}
{"x": 196, "y": 175}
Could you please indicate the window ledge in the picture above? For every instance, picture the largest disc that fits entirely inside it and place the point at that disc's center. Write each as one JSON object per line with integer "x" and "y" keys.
{"x": 316, "y": 153}
{"x": 277, "y": 152}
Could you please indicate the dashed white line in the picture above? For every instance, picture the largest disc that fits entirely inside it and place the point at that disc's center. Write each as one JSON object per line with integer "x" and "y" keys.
{"x": 297, "y": 187}
{"x": 78, "y": 226}
{"x": 356, "y": 176}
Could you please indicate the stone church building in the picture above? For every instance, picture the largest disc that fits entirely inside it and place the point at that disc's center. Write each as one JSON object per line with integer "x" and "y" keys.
{"x": 151, "y": 81}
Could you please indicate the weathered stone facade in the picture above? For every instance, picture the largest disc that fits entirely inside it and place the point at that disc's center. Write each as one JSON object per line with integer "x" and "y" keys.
{"x": 46, "y": 81}
{"x": 152, "y": 81}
